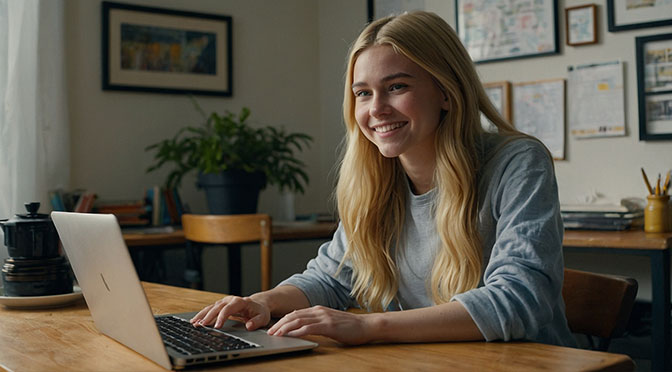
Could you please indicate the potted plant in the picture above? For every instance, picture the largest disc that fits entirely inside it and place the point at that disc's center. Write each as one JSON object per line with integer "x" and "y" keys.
{"x": 234, "y": 161}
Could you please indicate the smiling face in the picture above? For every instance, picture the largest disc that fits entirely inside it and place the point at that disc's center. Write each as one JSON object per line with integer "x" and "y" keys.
{"x": 397, "y": 104}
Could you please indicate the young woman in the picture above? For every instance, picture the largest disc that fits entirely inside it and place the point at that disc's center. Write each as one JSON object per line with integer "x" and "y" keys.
{"x": 457, "y": 228}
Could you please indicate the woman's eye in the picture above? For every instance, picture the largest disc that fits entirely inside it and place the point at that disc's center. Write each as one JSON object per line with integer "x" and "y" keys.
{"x": 361, "y": 93}
{"x": 397, "y": 86}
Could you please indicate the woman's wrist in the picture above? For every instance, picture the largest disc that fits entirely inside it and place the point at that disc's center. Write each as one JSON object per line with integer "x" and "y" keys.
{"x": 263, "y": 299}
{"x": 375, "y": 327}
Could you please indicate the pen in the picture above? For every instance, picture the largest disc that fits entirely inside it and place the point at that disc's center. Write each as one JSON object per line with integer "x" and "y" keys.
{"x": 646, "y": 180}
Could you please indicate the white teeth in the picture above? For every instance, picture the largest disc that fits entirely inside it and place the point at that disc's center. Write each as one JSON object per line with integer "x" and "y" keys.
{"x": 387, "y": 128}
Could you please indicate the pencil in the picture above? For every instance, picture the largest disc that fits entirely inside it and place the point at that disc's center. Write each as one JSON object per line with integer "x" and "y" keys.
{"x": 658, "y": 186}
{"x": 646, "y": 180}
{"x": 667, "y": 183}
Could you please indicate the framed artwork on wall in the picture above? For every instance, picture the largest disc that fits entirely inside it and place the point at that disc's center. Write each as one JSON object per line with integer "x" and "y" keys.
{"x": 581, "y": 25}
{"x": 633, "y": 14}
{"x": 654, "y": 86}
{"x": 500, "y": 96}
{"x": 165, "y": 51}
{"x": 382, "y": 8}
{"x": 495, "y": 31}
{"x": 499, "y": 93}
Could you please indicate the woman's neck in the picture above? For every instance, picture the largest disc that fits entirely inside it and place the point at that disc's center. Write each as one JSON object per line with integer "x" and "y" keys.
{"x": 420, "y": 172}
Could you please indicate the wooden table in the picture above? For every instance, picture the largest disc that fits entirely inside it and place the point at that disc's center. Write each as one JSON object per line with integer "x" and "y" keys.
{"x": 636, "y": 242}
{"x": 66, "y": 340}
{"x": 656, "y": 246}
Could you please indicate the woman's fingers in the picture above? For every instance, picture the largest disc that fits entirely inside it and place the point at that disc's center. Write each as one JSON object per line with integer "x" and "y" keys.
{"x": 293, "y": 322}
{"x": 342, "y": 326}
{"x": 200, "y": 314}
{"x": 220, "y": 311}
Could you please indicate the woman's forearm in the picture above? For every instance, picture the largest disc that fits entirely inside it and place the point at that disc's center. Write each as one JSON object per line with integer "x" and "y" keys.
{"x": 446, "y": 322}
{"x": 282, "y": 300}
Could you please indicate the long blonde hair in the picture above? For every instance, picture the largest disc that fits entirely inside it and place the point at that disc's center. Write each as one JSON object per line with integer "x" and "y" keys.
{"x": 371, "y": 190}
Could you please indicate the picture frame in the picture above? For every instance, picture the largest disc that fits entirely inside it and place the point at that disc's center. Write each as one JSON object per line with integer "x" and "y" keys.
{"x": 581, "y": 25}
{"x": 376, "y": 9}
{"x": 147, "y": 49}
{"x": 539, "y": 110}
{"x": 635, "y": 14}
{"x": 654, "y": 86}
{"x": 499, "y": 93}
{"x": 514, "y": 29}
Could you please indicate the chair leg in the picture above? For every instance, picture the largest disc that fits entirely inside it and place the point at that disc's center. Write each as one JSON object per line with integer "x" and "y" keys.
{"x": 192, "y": 272}
{"x": 266, "y": 254}
{"x": 603, "y": 344}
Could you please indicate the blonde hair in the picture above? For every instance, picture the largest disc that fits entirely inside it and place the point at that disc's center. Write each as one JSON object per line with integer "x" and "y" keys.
{"x": 371, "y": 190}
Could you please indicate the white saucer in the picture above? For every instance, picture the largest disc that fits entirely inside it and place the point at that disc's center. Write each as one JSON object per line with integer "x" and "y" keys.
{"x": 40, "y": 302}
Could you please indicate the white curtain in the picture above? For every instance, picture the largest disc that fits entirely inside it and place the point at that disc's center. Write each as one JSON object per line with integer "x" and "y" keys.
{"x": 34, "y": 136}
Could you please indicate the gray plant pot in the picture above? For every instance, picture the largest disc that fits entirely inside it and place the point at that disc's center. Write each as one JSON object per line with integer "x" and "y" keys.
{"x": 232, "y": 192}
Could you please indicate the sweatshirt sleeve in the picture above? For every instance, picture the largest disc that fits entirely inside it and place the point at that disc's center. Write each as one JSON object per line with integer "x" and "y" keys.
{"x": 522, "y": 281}
{"x": 321, "y": 282}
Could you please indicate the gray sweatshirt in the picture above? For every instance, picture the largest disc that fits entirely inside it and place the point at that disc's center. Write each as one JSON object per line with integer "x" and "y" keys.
{"x": 519, "y": 296}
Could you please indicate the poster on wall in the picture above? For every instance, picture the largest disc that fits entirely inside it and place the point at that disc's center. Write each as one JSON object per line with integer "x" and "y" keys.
{"x": 494, "y": 30}
{"x": 595, "y": 100}
{"x": 539, "y": 110}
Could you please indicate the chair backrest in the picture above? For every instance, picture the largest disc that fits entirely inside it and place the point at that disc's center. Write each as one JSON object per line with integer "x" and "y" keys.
{"x": 598, "y": 305}
{"x": 233, "y": 229}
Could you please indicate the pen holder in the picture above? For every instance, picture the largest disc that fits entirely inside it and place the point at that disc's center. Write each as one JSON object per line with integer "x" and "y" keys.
{"x": 657, "y": 214}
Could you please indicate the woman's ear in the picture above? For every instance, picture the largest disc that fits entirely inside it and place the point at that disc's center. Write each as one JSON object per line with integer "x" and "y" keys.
{"x": 445, "y": 104}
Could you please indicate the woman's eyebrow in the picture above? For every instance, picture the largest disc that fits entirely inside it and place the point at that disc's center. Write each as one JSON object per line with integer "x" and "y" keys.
{"x": 385, "y": 79}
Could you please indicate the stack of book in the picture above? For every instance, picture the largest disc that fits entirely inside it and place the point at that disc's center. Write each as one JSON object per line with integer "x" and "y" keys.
{"x": 166, "y": 206}
{"x": 72, "y": 201}
{"x": 128, "y": 213}
{"x": 601, "y": 217}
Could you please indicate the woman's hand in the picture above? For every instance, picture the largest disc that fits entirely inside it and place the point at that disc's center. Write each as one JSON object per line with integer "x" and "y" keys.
{"x": 255, "y": 314}
{"x": 344, "y": 327}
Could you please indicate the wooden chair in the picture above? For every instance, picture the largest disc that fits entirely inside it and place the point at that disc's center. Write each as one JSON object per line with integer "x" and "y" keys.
{"x": 228, "y": 229}
{"x": 598, "y": 305}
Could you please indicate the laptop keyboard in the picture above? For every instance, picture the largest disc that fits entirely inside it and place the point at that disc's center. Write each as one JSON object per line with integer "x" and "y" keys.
{"x": 182, "y": 336}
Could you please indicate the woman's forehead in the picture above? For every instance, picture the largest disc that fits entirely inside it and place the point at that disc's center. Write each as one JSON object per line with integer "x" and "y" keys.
{"x": 382, "y": 60}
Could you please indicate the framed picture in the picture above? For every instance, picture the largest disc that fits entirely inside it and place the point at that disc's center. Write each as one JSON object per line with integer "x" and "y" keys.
{"x": 382, "y": 8}
{"x": 512, "y": 29}
{"x": 500, "y": 95}
{"x": 166, "y": 51}
{"x": 654, "y": 86}
{"x": 633, "y": 14}
{"x": 539, "y": 110}
{"x": 581, "y": 25}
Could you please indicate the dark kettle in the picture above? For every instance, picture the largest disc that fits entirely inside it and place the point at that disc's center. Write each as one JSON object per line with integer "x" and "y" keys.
{"x": 31, "y": 235}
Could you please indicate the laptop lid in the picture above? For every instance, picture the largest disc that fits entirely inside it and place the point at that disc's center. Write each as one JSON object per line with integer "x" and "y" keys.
{"x": 105, "y": 272}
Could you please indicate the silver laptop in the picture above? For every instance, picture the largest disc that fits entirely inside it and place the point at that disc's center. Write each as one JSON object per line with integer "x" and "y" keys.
{"x": 103, "y": 267}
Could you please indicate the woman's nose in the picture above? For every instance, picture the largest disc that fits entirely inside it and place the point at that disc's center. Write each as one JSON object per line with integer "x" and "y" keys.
{"x": 379, "y": 106}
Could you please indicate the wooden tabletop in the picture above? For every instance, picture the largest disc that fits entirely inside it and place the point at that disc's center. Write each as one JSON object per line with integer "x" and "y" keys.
{"x": 66, "y": 340}
{"x": 281, "y": 232}
{"x": 629, "y": 239}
